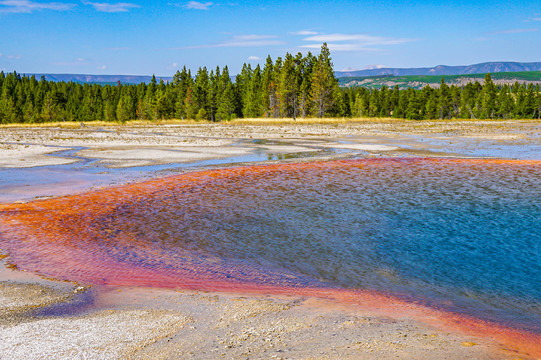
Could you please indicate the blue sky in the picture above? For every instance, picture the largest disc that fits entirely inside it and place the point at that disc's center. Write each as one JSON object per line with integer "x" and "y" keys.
{"x": 157, "y": 37}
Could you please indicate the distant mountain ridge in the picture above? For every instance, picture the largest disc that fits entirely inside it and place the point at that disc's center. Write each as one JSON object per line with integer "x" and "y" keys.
{"x": 100, "y": 79}
{"x": 483, "y": 68}
{"x": 488, "y": 67}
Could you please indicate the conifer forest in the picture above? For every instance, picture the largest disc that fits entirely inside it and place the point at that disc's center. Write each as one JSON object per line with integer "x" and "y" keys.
{"x": 295, "y": 86}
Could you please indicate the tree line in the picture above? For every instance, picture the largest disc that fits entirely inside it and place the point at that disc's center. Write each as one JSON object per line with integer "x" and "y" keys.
{"x": 292, "y": 86}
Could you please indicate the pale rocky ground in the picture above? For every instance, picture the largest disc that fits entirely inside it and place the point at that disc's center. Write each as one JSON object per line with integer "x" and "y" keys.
{"x": 56, "y": 320}
{"x": 139, "y": 323}
{"x": 121, "y": 146}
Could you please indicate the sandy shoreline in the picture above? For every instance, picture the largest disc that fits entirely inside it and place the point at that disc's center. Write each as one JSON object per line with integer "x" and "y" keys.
{"x": 168, "y": 324}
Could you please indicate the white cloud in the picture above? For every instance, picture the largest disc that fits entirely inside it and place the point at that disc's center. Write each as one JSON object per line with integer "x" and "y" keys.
{"x": 0, "y": 54}
{"x": 340, "y": 47}
{"x": 254, "y": 58}
{"x": 245, "y": 41}
{"x": 25, "y": 6}
{"x": 111, "y": 8}
{"x": 514, "y": 31}
{"x": 14, "y": 57}
{"x": 363, "y": 39}
{"x": 352, "y": 42}
{"x": 174, "y": 64}
{"x": 103, "y": 67}
{"x": 305, "y": 32}
{"x": 198, "y": 5}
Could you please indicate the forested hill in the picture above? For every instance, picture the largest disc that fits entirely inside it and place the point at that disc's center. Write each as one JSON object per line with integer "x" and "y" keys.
{"x": 292, "y": 86}
{"x": 420, "y": 81}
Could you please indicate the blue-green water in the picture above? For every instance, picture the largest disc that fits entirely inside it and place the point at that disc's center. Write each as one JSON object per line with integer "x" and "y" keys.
{"x": 462, "y": 235}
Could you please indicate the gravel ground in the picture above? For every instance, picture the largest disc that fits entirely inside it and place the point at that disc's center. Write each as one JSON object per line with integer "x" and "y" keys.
{"x": 124, "y": 323}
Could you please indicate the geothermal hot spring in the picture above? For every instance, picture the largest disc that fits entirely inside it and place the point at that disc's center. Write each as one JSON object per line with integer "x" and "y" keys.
{"x": 456, "y": 237}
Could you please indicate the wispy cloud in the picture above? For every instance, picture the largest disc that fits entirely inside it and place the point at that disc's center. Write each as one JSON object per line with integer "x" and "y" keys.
{"x": 102, "y": 67}
{"x": 245, "y": 41}
{"x": 195, "y": 5}
{"x": 111, "y": 8}
{"x": 340, "y": 47}
{"x": 14, "y": 57}
{"x": 367, "y": 40}
{"x": 352, "y": 42}
{"x": 254, "y": 58}
{"x": 304, "y": 32}
{"x": 514, "y": 31}
{"x": 121, "y": 48}
{"x": 25, "y": 6}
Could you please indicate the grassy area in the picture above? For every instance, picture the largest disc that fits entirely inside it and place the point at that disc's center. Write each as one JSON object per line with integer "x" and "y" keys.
{"x": 240, "y": 122}
{"x": 252, "y": 121}
{"x": 77, "y": 124}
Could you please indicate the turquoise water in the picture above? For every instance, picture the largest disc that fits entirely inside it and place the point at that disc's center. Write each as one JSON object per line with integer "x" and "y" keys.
{"x": 462, "y": 236}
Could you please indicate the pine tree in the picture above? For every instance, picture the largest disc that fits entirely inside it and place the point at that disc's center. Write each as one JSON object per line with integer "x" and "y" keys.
{"x": 150, "y": 106}
{"x": 467, "y": 102}
{"x": 505, "y": 103}
{"x": 49, "y": 110}
{"x": 185, "y": 82}
{"x": 189, "y": 104}
{"x": 214, "y": 92}
{"x": 305, "y": 78}
{"x": 488, "y": 98}
{"x": 414, "y": 108}
{"x": 125, "y": 109}
{"x": 252, "y": 105}
{"x": 275, "y": 107}
{"x": 165, "y": 101}
{"x": 373, "y": 104}
{"x": 324, "y": 84}
{"x": 362, "y": 103}
{"x": 287, "y": 88}
{"x": 530, "y": 105}
{"x": 226, "y": 103}
{"x": 268, "y": 88}
{"x": 520, "y": 103}
{"x": 431, "y": 107}
{"x": 444, "y": 100}
{"x": 200, "y": 93}
{"x": 538, "y": 102}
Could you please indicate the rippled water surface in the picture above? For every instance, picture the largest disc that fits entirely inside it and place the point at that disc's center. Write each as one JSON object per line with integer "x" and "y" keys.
{"x": 462, "y": 235}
